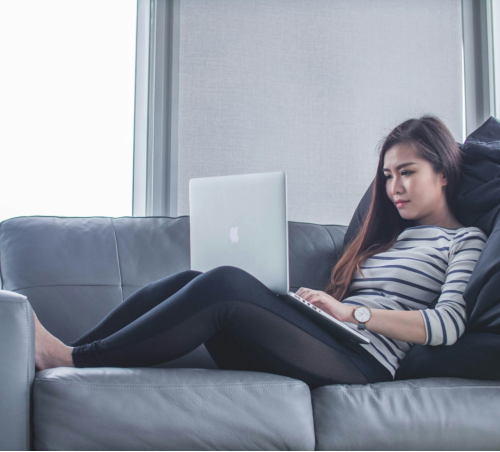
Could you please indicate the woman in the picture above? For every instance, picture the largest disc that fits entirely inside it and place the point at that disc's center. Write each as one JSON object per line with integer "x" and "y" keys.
{"x": 409, "y": 250}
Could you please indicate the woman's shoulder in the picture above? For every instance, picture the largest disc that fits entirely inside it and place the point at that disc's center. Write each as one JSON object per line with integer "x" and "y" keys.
{"x": 470, "y": 231}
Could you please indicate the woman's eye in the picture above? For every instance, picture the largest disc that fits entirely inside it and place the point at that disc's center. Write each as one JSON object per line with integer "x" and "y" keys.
{"x": 403, "y": 173}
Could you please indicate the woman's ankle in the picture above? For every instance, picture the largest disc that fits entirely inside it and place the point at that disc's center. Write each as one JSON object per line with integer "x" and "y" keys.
{"x": 67, "y": 357}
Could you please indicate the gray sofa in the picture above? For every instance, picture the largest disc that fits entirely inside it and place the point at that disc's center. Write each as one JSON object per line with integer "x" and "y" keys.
{"x": 72, "y": 271}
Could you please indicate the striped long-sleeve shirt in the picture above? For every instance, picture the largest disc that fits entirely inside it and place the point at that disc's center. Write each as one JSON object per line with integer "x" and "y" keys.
{"x": 424, "y": 263}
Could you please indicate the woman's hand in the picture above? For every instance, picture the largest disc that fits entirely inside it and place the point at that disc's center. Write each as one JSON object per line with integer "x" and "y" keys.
{"x": 326, "y": 303}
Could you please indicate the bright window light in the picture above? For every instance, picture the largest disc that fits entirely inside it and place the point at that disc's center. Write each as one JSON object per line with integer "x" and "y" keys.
{"x": 67, "y": 107}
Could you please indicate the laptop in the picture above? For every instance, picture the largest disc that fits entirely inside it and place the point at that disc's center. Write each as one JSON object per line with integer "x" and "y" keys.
{"x": 242, "y": 220}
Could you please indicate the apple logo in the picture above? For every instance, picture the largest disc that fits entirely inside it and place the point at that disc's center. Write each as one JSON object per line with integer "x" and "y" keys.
{"x": 233, "y": 233}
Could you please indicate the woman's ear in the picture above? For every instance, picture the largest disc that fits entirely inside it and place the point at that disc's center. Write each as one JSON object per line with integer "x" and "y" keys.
{"x": 444, "y": 179}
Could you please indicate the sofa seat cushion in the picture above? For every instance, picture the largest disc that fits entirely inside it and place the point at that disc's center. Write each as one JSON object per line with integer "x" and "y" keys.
{"x": 421, "y": 414}
{"x": 170, "y": 409}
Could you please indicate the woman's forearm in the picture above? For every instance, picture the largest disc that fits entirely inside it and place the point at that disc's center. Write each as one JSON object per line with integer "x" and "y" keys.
{"x": 406, "y": 326}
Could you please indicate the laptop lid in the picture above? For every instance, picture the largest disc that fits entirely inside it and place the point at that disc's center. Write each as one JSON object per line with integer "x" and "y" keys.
{"x": 242, "y": 221}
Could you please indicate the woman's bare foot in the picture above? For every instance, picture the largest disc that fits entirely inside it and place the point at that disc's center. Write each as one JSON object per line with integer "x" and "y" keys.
{"x": 50, "y": 351}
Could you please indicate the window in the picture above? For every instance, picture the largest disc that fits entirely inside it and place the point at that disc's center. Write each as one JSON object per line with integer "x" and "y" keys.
{"x": 67, "y": 109}
{"x": 496, "y": 55}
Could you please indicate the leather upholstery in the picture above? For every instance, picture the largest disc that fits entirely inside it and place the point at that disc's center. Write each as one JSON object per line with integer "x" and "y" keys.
{"x": 75, "y": 270}
{"x": 17, "y": 370}
{"x": 423, "y": 414}
{"x": 170, "y": 409}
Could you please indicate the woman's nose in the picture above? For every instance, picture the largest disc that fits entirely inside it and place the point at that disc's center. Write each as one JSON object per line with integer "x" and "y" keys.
{"x": 397, "y": 186}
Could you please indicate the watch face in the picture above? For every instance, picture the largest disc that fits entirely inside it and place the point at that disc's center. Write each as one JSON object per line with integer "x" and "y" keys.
{"x": 362, "y": 314}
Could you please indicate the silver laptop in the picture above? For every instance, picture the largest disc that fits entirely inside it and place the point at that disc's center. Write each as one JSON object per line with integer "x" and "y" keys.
{"x": 242, "y": 221}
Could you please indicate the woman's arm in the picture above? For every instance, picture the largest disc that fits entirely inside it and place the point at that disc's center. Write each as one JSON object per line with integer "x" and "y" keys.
{"x": 406, "y": 326}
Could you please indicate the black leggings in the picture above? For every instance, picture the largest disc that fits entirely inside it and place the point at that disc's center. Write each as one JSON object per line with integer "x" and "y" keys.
{"x": 243, "y": 324}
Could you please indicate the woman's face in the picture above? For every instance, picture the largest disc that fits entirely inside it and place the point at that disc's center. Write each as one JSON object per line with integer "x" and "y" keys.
{"x": 412, "y": 179}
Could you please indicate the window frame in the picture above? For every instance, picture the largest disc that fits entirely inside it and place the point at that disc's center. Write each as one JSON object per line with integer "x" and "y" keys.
{"x": 479, "y": 79}
{"x": 156, "y": 108}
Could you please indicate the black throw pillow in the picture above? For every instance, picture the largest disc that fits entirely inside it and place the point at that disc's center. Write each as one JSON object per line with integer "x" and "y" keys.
{"x": 474, "y": 355}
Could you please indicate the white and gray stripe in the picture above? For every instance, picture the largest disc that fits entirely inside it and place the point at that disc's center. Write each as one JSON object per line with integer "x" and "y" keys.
{"x": 424, "y": 263}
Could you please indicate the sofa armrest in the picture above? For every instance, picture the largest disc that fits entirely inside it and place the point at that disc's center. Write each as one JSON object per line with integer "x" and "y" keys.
{"x": 17, "y": 370}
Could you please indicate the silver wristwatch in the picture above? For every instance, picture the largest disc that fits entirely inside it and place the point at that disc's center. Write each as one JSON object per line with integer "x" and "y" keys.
{"x": 362, "y": 314}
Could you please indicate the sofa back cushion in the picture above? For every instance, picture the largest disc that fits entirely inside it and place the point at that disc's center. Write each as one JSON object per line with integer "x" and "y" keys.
{"x": 75, "y": 270}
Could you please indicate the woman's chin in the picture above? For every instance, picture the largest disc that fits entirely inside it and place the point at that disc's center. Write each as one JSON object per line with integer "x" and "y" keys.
{"x": 407, "y": 216}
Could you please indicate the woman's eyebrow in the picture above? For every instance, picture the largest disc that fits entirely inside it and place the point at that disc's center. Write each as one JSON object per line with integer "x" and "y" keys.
{"x": 401, "y": 166}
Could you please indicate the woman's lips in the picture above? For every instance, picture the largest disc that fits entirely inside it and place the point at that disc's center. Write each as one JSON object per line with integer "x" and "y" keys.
{"x": 401, "y": 204}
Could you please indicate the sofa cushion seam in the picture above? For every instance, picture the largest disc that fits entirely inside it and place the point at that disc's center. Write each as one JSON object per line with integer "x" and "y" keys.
{"x": 413, "y": 389}
{"x": 70, "y": 285}
{"x": 13, "y": 301}
{"x": 117, "y": 257}
{"x": 333, "y": 241}
{"x": 168, "y": 386}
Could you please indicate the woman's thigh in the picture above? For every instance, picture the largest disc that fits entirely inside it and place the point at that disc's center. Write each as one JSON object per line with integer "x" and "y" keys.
{"x": 224, "y": 283}
{"x": 259, "y": 340}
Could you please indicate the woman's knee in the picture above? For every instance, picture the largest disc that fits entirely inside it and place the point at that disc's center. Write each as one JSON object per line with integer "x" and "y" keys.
{"x": 228, "y": 279}
{"x": 192, "y": 273}
{"x": 227, "y": 273}
{"x": 183, "y": 278}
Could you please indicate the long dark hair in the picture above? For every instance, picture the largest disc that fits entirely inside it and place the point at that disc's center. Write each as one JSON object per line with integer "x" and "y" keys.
{"x": 432, "y": 141}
